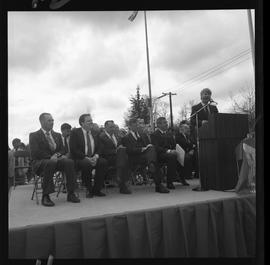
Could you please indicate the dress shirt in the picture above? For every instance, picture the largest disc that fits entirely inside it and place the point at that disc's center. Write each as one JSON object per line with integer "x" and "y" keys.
{"x": 134, "y": 135}
{"x": 50, "y": 135}
{"x": 112, "y": 137}
{"x": 91, "y": 140}
{"x": 63, "y": 140}
{"x": 207, "y": 108}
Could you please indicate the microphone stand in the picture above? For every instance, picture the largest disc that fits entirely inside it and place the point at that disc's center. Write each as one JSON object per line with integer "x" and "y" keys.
{"x": 198, "y": 144}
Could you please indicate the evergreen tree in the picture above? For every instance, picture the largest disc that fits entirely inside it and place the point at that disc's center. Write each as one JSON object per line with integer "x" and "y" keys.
{"x": 139, "y": 108}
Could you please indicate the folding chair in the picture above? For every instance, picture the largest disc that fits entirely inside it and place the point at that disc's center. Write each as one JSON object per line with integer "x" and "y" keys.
{"x": 110, "y": 180}
{"x": 140, "y": 175}
{"x": 60, "y": 182}
{"x": 20, "y": 154}
{"x": 37, "y": 187}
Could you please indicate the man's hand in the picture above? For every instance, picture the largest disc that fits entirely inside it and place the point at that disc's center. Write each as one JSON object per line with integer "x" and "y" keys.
{"x": 54, "y": 157}
{"x": 204, "y": 122}
{"x": 171, "y": 151}
{"x": 191, "y": 152}
{"x": 93, "y": 160}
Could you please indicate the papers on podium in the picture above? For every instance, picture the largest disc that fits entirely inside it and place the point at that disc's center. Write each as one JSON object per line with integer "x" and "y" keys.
{"x": 180, "y": 154}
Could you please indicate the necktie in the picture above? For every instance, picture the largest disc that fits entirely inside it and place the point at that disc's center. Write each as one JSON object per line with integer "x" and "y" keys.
{"x": 50, "y": 141}
{"x": 89, "y": 147}
{"x": 66, "y": 144}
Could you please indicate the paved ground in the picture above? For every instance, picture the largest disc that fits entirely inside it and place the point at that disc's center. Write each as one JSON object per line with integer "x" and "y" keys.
{"x": 23, "y": 211}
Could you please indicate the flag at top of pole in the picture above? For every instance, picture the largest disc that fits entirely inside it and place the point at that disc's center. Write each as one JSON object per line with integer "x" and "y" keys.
{"x": 133, "y": 15}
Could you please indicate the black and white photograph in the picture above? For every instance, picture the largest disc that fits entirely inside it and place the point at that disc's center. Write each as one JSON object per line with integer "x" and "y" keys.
{"x": 132, "y": 134}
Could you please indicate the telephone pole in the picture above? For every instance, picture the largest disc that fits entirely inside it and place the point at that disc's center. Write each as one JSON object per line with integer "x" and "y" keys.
{"x": 170, "y": 94}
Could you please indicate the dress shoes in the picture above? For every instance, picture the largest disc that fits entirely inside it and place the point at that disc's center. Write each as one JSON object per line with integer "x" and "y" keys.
{"x": 170, "y": 186}
{"x": 46, "y": 201}
{"x": 161, "y": 189}
{"x": 125, "y": 190}
{"x": 71, "y": 197}
{"x": 99, "y": 194}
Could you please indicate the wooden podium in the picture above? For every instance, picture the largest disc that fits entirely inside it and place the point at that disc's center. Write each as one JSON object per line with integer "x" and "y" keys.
{"x": 218, "y": 140}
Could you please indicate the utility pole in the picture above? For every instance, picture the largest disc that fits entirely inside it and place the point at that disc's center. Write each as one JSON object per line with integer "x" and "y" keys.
{"x": 150, "y": 107}
{"x": 170, "y": 94}
{"x": 251, "y": 36}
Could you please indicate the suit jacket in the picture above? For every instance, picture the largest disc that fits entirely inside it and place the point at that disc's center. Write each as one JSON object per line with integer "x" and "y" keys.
{"x": 40, "y": 149}
{"x": 107, "y": 146}
{"x": 202, "y": 115}
{"x": 133, "y": 146}
{"x": 146, "y": 138}
{"x": 162, "y": 142}
{"x": 77, "y": 144}
{"x": 185, "y": 143}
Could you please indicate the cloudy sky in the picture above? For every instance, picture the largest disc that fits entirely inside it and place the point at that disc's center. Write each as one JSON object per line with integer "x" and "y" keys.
{"x": 69, "y": 63}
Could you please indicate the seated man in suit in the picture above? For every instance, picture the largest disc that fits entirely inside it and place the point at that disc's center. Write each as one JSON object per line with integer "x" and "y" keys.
{"x": 145, "y": 131}
{"x": 183, "y": 139}
{"x": 139, "y": 153}
{"x": 165, "y": 146}
{"x": 115, "y": 153}
{"x": 206, "y": 94}
{"x": 47, "y": 155}
{"x": 85, "y": 150}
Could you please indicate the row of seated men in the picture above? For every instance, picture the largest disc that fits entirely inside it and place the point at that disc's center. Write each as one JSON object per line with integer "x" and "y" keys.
{"x": 80, "y": 149}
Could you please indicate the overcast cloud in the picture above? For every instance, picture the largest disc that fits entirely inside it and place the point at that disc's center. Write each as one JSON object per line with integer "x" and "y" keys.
{"x": 69, "y": 63}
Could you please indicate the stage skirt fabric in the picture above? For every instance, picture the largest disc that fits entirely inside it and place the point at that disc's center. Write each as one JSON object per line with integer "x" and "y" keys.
{"x": 221, "y": 228}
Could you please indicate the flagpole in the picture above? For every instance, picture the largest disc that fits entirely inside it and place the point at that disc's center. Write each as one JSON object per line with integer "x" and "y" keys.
{"x": 149, "y": 77}
{"x": 251, "y": 36}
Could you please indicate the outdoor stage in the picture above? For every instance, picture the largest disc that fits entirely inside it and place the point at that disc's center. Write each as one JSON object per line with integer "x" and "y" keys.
{"x": 144, "y": 224}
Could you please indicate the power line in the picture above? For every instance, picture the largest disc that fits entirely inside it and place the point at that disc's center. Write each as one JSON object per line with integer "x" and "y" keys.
{"x": 217, "y": 67}
{"x": 214, "y": 73}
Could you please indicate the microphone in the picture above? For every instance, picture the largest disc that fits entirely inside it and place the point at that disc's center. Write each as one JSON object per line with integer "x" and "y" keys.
{"x": 212, "y": 101}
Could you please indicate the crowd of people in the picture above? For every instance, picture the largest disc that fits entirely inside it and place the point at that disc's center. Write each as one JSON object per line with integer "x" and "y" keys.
{"x": 91, "y": 147}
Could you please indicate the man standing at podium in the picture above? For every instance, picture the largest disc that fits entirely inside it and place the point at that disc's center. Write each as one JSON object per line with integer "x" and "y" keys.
{"x": 206, "y": 94}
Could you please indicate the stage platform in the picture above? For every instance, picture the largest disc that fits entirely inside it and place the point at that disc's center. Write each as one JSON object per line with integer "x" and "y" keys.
{"x": 144, "y": 224}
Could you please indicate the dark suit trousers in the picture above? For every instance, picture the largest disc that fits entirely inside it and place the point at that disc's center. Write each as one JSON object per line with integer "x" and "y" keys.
{"x": 101, "y": 170}
{"x": 171, "y": 161}
{"x": 120, "y": 162}
{"x": 186, "y": 171}
{"x": 48, "y": 167}
{"x": 148, "y": 157}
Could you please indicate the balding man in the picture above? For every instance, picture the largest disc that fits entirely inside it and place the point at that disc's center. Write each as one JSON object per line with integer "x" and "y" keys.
{"x": 47, "y": 153}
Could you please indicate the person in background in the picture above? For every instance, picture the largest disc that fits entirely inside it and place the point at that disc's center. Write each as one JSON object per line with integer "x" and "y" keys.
{"x": 85, "y": 150}
{"x": 96, "y": 130}
{"x": 65, "y": 136}
{"x": 11, "y": 169}
{"x": 119, "y": 132}
{"x": 16, "y": 143}
{"x": 47, "y": 155}
{"x": 23, "y": 173}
